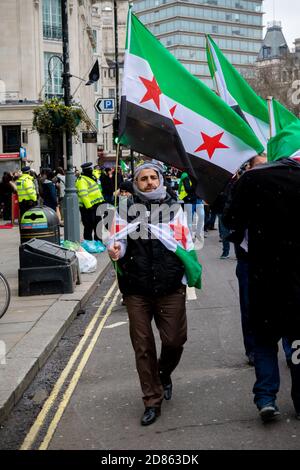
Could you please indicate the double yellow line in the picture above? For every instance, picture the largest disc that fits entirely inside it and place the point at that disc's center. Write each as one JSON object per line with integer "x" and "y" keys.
{"x": 40, "y": 420}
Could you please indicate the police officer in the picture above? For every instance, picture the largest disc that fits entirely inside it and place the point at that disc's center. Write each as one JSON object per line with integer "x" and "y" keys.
{"x": 89, "y": 196}
{"x": 27, "y": 194}
{"x": 97, "y": 172}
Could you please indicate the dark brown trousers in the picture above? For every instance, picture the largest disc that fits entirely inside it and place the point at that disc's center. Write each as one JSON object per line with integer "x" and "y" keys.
{"x": 170, "y": 318}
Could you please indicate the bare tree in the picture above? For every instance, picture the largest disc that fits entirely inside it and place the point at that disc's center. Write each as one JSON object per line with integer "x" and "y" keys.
{"x": 279, "y": 78}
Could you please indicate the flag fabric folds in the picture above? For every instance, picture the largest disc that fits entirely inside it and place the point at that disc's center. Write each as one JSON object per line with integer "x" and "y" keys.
{"x": 124, "y": 167}
{"x": 174, "y": 235}
{"x": 286, "y": 143}
{"x": 168, "y": 114}
{"x": 280, "y": 117}
{"x": 238, "y": 94}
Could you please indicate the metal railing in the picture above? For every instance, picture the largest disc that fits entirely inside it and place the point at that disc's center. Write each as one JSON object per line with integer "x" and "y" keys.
{"x": 52, "y": 32}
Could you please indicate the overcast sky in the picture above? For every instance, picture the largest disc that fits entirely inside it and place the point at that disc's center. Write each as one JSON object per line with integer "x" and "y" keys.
{"x": 286, "y": 11}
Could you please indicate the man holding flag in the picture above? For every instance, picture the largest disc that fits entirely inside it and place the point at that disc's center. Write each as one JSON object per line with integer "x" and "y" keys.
{"x": 155, "y": 260}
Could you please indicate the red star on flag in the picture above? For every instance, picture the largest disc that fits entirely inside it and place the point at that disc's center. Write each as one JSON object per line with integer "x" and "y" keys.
{"x": 210, "y": 144}
{"x": 116, "y": 228}
{"x": 172, "y": 111}
{"x": 180, "y": 233}
{"x": 153, "y": 91}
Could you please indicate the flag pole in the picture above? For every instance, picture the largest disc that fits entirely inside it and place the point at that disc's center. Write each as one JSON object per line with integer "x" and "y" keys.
{"x": 213, "y": 63}
{"x": 116, "y": 174}
{"x": 271, "y": 118}
{"x": 115, "y": 201}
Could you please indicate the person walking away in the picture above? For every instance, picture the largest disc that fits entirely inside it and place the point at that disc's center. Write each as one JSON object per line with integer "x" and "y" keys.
{"x": 260, "y": 196}
{"x": 48, "y": 191}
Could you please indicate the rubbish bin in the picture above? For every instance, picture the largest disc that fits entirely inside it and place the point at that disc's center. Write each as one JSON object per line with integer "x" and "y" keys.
{"x": 46, "y": 268}
{"x": 40, "y": 222}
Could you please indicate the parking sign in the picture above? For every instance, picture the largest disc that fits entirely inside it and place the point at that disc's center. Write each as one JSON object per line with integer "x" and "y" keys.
{"x": 105, "y": 105}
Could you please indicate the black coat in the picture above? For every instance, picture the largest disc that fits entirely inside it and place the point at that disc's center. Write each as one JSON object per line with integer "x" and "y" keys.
{"x": 266, "y": 200}
{"x": 148, "y": 268}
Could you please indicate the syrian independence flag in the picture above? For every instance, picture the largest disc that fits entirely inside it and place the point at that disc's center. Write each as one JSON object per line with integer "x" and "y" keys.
{"x": 124, "y": 167}
{"x": 236, "y": 92}
{"x": 285, "y": 144}
{"x": 175, "y": 236}
{"x": 168, "y": 114}
{"x": 280, "y": 117}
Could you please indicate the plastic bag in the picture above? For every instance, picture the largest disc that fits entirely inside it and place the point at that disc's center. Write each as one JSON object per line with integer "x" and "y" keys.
{"x": 87, "y": 262}
{"x": 93, "y": 246}
{"x": 74, "y": 246}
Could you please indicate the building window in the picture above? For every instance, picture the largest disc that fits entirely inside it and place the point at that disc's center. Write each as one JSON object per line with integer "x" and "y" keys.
{"x": 53, "y": 84}
{"x": 266, "y": 52}
{"x": 111, "y": 92}
{"x": 95, "y": 38}
{"x": 112, "y": 73}
{"x": 52, "y": 28}
{"x": 11, "y": 139}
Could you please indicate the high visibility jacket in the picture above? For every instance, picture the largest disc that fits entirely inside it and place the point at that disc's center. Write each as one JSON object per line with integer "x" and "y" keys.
{"x": 26, "y": 188}
{"x": 88, "y": 192}
{"x": 97, "y": 173}
{"x": 181, "y": 189}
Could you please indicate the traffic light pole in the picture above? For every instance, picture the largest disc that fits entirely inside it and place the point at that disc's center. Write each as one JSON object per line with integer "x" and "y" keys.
{"x": 71, "y": 209}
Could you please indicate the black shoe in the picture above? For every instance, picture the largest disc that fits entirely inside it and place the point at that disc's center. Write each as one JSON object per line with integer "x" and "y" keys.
{"x": 150, "y": 415}
{"x": 269, "y": 412}
{"x": 168, "y": 386}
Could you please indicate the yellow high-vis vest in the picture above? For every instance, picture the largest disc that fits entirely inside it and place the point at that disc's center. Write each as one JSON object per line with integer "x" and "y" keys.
{"x": 181, "y": 190}
{"x": 25, "y": 188}
{"x": 88, "y": 192}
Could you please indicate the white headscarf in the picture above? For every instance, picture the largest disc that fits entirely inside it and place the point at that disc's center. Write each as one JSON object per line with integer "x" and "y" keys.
{"x": 157, "y": 194}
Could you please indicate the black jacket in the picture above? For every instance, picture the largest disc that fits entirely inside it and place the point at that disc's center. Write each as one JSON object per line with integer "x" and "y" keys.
{"x": 266, "y": 200}
{"x": 148, "y": 268}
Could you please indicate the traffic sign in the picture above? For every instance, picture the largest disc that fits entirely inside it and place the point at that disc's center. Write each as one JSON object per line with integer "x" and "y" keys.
{"x": 105, "y": 105}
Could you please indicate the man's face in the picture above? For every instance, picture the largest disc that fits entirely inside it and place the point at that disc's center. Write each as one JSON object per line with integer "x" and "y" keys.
{"x": 124, "y": 193}
{"x": 147, "y": 181}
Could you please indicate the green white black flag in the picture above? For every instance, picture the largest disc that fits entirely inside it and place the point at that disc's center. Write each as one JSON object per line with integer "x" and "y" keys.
{"x": 168, "y": 114}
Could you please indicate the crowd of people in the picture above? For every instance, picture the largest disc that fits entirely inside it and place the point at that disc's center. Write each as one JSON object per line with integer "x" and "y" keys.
{"x": 46, "y": 189}
{"x": 153, "y": 271}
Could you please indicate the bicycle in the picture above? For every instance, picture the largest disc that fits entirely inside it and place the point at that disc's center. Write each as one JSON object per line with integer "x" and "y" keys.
{"x": 4, "y": 295}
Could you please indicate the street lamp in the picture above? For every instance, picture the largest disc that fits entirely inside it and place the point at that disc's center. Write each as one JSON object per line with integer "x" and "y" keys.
{"x": 71, "y": 208}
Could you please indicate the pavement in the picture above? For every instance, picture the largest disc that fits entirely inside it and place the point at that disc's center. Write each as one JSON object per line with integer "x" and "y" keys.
{"x": 32, "y": 326}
